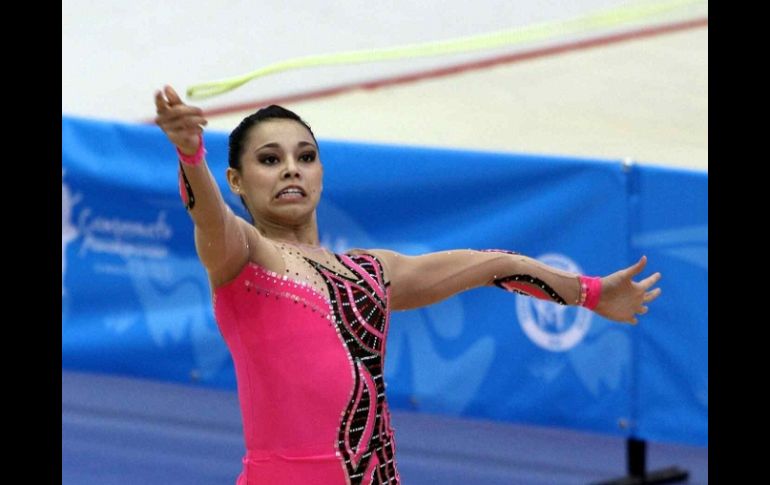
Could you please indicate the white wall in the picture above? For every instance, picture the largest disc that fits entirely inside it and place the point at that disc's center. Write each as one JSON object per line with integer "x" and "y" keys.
{"x": 115, "y": 54}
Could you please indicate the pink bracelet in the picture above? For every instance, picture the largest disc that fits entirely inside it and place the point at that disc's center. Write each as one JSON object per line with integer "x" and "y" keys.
{"x": 197, "y": 157}
{"x": 590, "y": 291}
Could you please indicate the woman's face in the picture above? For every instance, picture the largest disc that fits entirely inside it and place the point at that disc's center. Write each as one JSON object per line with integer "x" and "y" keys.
{"x": 281, "y": 176}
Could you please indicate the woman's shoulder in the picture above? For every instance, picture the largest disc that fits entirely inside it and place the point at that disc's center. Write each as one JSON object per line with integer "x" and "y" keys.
{"x": 379, "y": 254}
{"x": 255, "y": 250}
{"x": 384, "y": 257}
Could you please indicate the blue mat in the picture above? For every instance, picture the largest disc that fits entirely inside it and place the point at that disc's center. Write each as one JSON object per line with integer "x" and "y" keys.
{"x": 119, "y": 430}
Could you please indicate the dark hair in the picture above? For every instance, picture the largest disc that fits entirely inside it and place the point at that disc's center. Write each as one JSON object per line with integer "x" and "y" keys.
{"x": 238, "y": 135}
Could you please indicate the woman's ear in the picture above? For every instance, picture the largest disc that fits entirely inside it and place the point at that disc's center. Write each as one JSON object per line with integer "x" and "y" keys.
{"x": 233, "y": 180}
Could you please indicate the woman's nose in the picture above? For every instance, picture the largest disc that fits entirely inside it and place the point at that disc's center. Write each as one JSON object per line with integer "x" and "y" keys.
{"x": 291, "y": 170}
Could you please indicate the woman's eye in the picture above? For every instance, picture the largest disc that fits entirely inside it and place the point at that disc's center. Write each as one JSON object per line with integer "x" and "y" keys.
{"x": 307, "y": 157}
{"x": 268, "y": 159}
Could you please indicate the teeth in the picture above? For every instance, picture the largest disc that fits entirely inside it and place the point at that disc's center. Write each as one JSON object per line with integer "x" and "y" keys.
{"x": 290, "y": 191}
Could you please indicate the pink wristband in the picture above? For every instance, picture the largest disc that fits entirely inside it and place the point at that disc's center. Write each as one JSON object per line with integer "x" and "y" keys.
{"x": 197, "y": 157}
{"x": 590, "y": 291}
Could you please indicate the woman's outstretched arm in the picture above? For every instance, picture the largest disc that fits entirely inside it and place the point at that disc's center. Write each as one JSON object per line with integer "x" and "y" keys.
{"x": 422, "y": 280}
{"x": 221, "y": 238}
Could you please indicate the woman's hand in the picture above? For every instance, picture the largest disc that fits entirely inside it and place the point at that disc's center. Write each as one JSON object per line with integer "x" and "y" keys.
{"x": 181, "y": 123}
{"x": 622, "y": 298}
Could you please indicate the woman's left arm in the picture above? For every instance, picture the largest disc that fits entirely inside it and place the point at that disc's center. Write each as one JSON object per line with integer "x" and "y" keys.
{"x": 422, "y": 280}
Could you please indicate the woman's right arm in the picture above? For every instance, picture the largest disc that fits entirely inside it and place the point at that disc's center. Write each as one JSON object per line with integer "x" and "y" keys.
{"x": 222, "y": 239}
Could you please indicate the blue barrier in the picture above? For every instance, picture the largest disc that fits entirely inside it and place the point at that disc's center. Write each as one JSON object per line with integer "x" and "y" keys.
{"x": 136, "y": 301}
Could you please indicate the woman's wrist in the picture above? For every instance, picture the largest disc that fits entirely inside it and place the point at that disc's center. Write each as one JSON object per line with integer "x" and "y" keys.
{"x": 197, "y": 157}
{"x": 590, "y": 291}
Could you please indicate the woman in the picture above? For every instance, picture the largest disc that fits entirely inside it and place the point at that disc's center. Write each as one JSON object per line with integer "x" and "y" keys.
{"x": 307, "y": 328}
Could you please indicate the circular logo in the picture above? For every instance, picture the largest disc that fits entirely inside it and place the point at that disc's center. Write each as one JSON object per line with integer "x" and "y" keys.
{"x": 549, "y": 325}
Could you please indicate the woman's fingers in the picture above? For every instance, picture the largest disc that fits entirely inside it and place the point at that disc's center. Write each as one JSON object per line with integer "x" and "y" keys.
{"x": 650, "y": 280}
{"x": 160, "y": 102}
{"x": 178, "y": 111}
{"x": 181, "y": 120}
{"x": 170, "y": 106}
{"x": 637, "y": 267}
{"x": 181, "y": 123}
{"x": 172, "y": 96}
{"x": 191, "y": 123}
{"x": 651, "y": 295}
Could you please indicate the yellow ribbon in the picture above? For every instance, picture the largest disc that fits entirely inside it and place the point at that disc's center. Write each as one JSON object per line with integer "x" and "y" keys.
{"x": 601, "y": 19}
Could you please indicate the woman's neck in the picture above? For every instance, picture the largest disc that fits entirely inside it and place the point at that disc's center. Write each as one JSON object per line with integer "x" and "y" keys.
{"x": 297, "y": 241}
{"x": 306, "y": 236}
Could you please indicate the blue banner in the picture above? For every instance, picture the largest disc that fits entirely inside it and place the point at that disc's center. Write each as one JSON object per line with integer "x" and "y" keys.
{"x": 136, "y": 300}
{"x": 669, "y": 214}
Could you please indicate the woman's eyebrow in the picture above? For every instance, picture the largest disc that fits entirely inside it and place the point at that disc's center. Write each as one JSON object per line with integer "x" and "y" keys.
{"x": 277, "y": 145}
{"x": 269, "y": 145}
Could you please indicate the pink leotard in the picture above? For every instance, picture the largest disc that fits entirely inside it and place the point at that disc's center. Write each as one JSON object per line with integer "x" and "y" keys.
{"x": 310, "y": 374}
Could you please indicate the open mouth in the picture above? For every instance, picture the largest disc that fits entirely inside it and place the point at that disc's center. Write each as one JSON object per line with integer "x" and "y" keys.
{"x": 292, "y": 192}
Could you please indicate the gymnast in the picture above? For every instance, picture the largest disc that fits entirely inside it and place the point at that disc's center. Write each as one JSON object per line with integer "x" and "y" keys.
{"x": 307, "y": 328}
